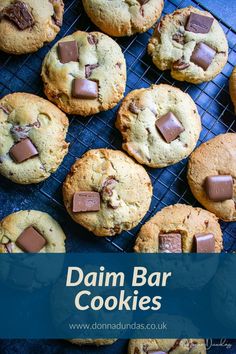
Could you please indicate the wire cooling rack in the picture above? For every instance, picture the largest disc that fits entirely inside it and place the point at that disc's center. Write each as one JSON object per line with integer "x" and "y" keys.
{"x": 170, "y": 184}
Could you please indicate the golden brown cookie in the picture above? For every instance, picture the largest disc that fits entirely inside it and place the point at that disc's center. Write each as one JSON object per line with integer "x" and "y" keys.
{"x": 123, "y": 18}
{"x": 191, "y": 44}
{"x": 85, "y": 73}
{"x": 107, "y": 192}
{"x": 139, "y": 119}
{"x": 96, "y": 342}
{"x": 26, "y": 25}
{"x": 232, "y": 87}
{"x": 180, "y": 219}
{"x": 215, "y": 158}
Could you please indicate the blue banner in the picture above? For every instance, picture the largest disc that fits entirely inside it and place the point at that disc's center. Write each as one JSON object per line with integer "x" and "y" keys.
{"x": 118, "y": 295}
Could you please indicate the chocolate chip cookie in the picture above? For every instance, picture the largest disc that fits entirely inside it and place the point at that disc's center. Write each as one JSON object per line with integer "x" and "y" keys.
{"x": 232, "y": 87}
{"x": 180, "y": 228}
{"x": 31, "y": 231}
{"x": 212, "y": 174}
{"x": 107, "y": 192}
{"x": 32, "y": 138}
{"x": 165, "y": 346}
{"x": 97, "y": 342}
{"x": 191, "y": 44}
{"x": 160, "y": 125}
{"x": 123, "y": 18}
{"x": 26, "y": 25}
{"x": 85, "y": 73}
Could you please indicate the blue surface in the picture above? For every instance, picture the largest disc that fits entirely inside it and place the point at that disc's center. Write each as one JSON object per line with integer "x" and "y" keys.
{"x": 170, "y": 185}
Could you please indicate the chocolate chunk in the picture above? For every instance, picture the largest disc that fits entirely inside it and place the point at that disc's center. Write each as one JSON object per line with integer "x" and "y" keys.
{"x": 68, "y": 51}
{"x": 20, "y": 132}
{"x": 30, "y": 240}
{"x": 143, "y": 2}
{"x": 133, "y": 108}
{"x": 178, "y": 37}
{"x": 89, "y": 69}
{"x": 23, "y": 150}
{"x": 198, "y": 23}
{"x": 19, "y": 14}
{"x": 203, "y": 55}
{"x": 169, "y": 127}
{"x": 219, "y": 188}
{"x": 83, "y": 88}
{"x": 92, "y": 39}
{"x": 205, "y": 243}
{"x": 57, "y": 16}
{"x": 86, "y": 201}
{"x": 180, "y": 65}
{"x": 170, "y": 243}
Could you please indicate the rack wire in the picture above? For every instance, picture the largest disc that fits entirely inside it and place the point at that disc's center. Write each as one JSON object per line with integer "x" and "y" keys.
{"x": 170, "y": 184}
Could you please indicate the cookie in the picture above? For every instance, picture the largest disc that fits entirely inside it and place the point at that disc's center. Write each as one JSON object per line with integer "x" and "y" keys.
{"x": 97, "y": 342}
{"x": 26, "y": 25}
{"x": 32, "y": 143}
{"x": 212, "y": 174}
{"x": 107, "y": 192}
{"x": 119, "y": 18}
{"x": 180, "y": 228}
{"x": 31, "y": 231}
{"x": 191, "y": 44}
{"x": 165, "y": 346}
{"x": 160, "y": 125}
{"x": 85, "y": 73}
{"x": 232, "y": 87}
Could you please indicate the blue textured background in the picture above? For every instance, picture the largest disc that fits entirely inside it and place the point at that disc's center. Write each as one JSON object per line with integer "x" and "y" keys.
{"x": 170, "y": 186}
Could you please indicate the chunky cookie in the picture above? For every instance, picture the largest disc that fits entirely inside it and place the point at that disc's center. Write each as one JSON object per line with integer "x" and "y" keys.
{"x": 160, "y": 125}
{"x": 31, "y": 231}
{"x": 32, "y": 138}
{"x": 165, "y": 346}
{"x": 85, "y": 73}
{"x": 123, "y": 18}
{"x": 97, "y": 342}
{"x": 191, "y": 44}
{"x": 232, "y": 87}
{"x": 107, "y": 192}
{"x": 212, "y": 174}
{"x": 180, "y": 228}
{"x": 26, "y": 25}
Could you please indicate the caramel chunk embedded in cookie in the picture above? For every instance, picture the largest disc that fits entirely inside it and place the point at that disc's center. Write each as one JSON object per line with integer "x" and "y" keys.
{"x": 203, "y": 55}
{"x": 169, "y": 127}
{"x": 23, "y": 151}
{"x": 205, "y": 243}
{"x": 68, "y": 51}
{"x": 198, "y": 23}
{"x": 219, "y": 188}
{"x": 30, "y": 240}
{"x": 86, "y": 201}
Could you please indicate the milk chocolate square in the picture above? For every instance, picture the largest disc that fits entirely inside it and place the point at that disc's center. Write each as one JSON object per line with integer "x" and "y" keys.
{"x": 86, "y": 201}
{"x": 170, "y": 243}
{"x": 18, "y": 13}
{"x": 205, "y": 243}
{"x": 169, "y": 127}
{"x": 83, "y": 88}
{"x": 23, "y": 151}
{"x": 203, "y": 55}
{"x": 198, "y": 23}
{"x": 219, "y": 188}
{"x": 68, "y": 51}
{"x": 30, "y": 240}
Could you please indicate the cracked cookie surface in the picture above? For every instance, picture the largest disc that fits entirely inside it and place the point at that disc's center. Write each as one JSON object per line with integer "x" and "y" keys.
{"x": 123, "y": 17}
{"x": 180, "y": 218}
{"x": 124, "y": 187}
{"x": 14, "y": 224}
{"x": 137, "y": 118}
{"x": 25, "y": 26}
{"x": 172, "y": 47}
{"x": 214, "y": 158}
{"x": 173, "y": 346}
{"x": 99, "y": 62}
{"x": 26, "y": 117}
